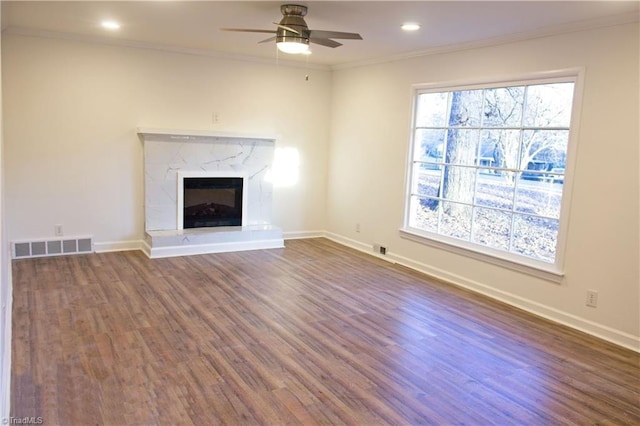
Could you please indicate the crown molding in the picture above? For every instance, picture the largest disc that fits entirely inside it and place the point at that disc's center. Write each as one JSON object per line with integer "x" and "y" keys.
{"x": 609, "y": 21}
{"x": 29, "y": 32}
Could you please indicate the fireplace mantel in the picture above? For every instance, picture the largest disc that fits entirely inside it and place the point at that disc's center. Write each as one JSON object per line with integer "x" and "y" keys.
{"x": 179, "y": 135}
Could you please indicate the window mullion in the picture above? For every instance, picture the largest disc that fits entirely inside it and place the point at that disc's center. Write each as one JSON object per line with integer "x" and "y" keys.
{"x": 477, "y": 163}
{"x": 520, "y": 166}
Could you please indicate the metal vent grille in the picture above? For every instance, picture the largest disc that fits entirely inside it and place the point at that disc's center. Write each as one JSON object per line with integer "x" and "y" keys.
{"x": 57, "y": 247}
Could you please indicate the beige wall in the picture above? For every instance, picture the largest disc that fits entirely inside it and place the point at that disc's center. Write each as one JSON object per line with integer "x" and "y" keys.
{"x": 369, "y": 142}
{"x": 72, "y": 154}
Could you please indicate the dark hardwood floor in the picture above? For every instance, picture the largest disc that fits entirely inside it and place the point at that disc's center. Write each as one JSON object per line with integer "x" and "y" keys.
{"x": 315, "y": 333}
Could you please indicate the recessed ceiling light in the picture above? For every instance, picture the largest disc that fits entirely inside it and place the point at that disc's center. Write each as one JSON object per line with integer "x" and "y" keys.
{"x": 410, "y": 26}
{"x": 110, "y": 25}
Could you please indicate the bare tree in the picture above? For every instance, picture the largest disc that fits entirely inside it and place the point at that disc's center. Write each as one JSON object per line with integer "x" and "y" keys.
{"x": 503, "y": 112}
{"x": 505, "y": 108}
{"x": 461, "y": 150}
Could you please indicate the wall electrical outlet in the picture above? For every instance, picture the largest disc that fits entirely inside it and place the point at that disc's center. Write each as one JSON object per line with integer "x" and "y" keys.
{"x": 357, "y": 227}
{"x": 592, "y": 298}
{"x": 57, "y": 229}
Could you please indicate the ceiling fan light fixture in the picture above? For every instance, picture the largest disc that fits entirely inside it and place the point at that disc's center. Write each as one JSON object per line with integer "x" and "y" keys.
{"x": 410, "y": 26}
{"x": 110, "y": 25}
{"x": 293, "y": 47}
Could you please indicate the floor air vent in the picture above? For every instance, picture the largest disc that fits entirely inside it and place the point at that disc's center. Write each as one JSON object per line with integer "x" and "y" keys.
{"x": 57, "y": 247}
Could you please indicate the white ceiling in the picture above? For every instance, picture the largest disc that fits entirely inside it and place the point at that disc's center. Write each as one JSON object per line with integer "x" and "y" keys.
{"x": 194, "y": 25}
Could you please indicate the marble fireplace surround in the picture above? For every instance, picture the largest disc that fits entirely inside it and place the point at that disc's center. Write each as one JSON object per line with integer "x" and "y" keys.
{"x": 171, "y": 153}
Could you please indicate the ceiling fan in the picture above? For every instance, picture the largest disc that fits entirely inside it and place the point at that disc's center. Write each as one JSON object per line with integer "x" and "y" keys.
{"x": 292, "y": 34}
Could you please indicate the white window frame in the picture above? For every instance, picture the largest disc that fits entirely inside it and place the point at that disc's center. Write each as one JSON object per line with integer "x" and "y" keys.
{"x": 553, "y": 272}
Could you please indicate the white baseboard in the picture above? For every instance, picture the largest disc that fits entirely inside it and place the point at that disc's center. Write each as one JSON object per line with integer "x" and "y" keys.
{"x": 297, "y": 235}
{"x": 145, "y": 248}
{"x": 603, "y": 332}
{"x": 106, "y": 247}
{"x": 354, "y": 244}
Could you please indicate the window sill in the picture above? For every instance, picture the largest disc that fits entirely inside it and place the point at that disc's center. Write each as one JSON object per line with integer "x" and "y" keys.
{"x": 548, "y": 274}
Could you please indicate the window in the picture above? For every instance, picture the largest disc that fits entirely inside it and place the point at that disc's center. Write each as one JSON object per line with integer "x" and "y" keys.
{"x": 487, "y": 168}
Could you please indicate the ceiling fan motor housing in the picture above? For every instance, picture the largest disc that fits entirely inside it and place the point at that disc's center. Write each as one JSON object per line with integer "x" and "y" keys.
{"x": 293, "y": 18}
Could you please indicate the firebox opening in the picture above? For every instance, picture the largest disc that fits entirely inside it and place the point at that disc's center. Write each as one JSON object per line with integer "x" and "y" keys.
{"x": 212, "y": 201}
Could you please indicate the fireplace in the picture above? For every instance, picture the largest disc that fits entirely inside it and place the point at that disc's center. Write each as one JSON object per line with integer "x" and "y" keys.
{"x": 173, "y": 156}
{"x": 206, "y": 201}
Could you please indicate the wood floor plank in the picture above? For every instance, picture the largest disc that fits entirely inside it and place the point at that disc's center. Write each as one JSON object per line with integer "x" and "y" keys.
{"x": 315, "y": 333}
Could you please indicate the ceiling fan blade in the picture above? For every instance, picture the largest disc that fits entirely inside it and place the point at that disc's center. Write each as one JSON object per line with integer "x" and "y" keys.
{"x": 334, "y": 34}
{"x": 284, "y": 27}
{"x": 325, "y": 42}
{"x": 247, "y": 30}
{"x": 267, "y": 40}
